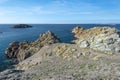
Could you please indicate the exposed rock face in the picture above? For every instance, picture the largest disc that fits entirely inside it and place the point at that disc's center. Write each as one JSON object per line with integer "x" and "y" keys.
{"x": 105, "y": 39}
{"x": 20, "y": 51}
{"x": 22, "y": 26}
{"x": 46, "y": 39}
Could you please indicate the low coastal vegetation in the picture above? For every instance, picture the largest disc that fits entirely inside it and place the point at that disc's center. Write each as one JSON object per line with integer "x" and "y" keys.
{"x": 93, "y": 56}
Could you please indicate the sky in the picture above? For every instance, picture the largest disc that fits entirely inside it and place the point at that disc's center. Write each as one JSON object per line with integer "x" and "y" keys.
{"x": 59, "y": 11}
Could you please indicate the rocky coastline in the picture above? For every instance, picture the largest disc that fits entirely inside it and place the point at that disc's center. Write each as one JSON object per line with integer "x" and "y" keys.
{"x": 20, "y": 51}
{"x": 94, "y": 55}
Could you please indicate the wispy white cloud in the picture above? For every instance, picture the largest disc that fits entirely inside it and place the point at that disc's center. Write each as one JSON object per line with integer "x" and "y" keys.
{"x": 78, "y": 13}
{"x": 66, "y": 8}
{"x": 55, "y": 7}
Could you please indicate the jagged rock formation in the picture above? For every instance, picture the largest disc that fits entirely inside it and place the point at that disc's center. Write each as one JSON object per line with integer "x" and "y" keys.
{"x": 22, "y": 26}
{"x": 20, "y": 51}
{"x": 104, "y": 39}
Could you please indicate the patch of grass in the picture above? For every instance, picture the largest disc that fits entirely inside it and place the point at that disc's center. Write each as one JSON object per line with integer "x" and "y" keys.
{"x": 92, "y": 66}
{"x": 118, "y": 68}
{"x": 82, "y": 66}
{"x": 80, "y": 76}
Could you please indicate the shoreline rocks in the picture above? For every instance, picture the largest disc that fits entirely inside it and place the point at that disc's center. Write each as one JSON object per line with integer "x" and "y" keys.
{"x": 104, "y": 39}
{"x": 22, "y": 26}
{"x": 20, "y": 51}
{"x": 53, "y": 60}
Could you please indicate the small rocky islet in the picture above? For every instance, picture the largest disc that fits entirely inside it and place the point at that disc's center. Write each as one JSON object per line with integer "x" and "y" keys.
{"x": 93, "y": 56}
{"x": 21, "y": 26}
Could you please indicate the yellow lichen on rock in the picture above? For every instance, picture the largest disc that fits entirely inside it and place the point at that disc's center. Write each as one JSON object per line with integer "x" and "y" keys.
{"x": 96, "y": 57}
{"x": 60, "y": 50}
{"x": 87, "y": 34}
{"x": 66, "y": 51}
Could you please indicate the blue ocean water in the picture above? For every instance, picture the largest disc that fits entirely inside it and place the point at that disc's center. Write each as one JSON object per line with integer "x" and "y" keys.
{"x": 63, "y": 31}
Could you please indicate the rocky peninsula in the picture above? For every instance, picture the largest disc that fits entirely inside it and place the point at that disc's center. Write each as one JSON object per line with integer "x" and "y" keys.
{"x": 21, "y": 26}
{"x": 95, "y": 55}
{"x": 20, "y": 51}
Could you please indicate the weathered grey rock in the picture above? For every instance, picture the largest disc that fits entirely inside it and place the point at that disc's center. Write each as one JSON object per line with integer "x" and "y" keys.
{"x": 105, "y": 39}
{"x": 11, "y": 51}
{"x": 84, "y": 44}
{"x": 20, "y": 51}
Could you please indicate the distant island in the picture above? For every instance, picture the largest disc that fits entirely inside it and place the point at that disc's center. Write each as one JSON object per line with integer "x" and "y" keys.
{"x": 22, "y": 26}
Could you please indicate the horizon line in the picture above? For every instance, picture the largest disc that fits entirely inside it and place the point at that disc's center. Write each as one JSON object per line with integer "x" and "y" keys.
{"x": 59, "y": 23}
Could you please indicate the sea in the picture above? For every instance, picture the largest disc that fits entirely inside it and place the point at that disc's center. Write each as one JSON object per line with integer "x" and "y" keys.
{"x": 63, "y": 31}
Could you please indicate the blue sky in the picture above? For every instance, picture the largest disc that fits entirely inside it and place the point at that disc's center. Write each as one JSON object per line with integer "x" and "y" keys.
{"x": 59, "y": 11}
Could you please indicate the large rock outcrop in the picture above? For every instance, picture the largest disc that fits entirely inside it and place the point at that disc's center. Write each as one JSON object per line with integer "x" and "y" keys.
{"x": 22, "y": 26}
{"x": 20, "y": 51}
{"x": 104, "y": 39}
